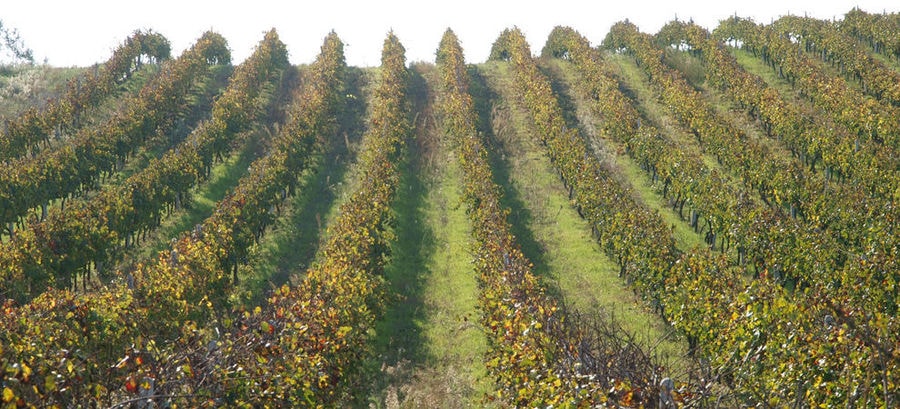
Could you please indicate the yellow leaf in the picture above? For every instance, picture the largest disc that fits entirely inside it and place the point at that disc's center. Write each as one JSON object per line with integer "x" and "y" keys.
{"x": 8, "y": 395}
{"x": 50, "y": 383}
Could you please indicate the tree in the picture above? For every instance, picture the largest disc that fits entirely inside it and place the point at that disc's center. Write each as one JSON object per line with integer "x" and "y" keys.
{"x": 11, "y": 43}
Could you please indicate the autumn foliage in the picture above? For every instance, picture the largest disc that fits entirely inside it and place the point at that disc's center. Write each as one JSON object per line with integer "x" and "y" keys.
{"x": 791, "y": 302}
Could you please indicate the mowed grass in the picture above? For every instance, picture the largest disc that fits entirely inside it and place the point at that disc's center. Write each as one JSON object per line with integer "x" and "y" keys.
{"x": 567, "y": 257}
{"x": 638, "y": 88}
{"x": 290, "y": 245}
{"x": 890, "y": 62}
{"x": 429, "y": 346}
{"x": 223, "y": 177}
{"x": 725, "y": 107}
{"x": 614, "y": 157}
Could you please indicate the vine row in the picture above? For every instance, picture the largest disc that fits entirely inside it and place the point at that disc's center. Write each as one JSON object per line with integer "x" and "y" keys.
{"x": 628, "y": 232}
{"x": 815, "y": 205}
{"x": 26, "y": 133}
{"x": 870, "y": 120}
{"x": 765, "y": 344}
{"x": 823, "y": 38}
{"x": 306, "y": 342}
{"x": 29, "y": 182}
{"x": 880, "y": 31}
{"x": 88, "y": 232}
{"x": 523, "y": 323}
{"x": 118, "y": 334}
{"x": 809, "y": 136}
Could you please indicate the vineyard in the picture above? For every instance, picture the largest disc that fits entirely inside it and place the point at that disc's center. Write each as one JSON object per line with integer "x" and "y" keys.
{"x": 698, "y": 217}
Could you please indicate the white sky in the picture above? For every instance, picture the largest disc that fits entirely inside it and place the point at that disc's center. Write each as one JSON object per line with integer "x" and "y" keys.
{"x": 71, "y": 32}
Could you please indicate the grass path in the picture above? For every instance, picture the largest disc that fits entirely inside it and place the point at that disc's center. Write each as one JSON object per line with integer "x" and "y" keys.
{"x": 614, "y": 156}
{"x": 290, "y": 246}
{"x": 637, "y": 87}
{"x": 222, "y": 177}
{"x": 430, "y": 345}
{"x": 153, "y": 148}
{"x": 564, "y": 252}
{"x": 890, "y": 62}
{"x": 725, "y": 108}
{"x": 756, "y": 66}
